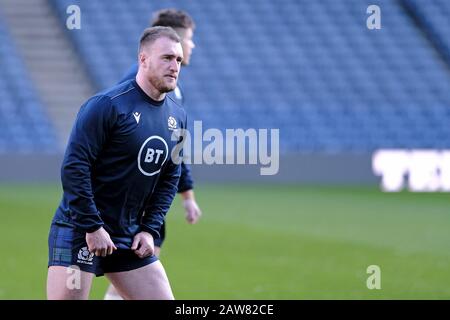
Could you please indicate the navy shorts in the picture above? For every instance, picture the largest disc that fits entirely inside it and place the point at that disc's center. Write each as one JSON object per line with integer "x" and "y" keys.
{"x": 162, "y": 235}
{"x": 67, "y": 247}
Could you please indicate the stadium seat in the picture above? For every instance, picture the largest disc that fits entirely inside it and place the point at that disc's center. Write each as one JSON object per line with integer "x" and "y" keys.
{"x": 25, "y": 127}
{"x": 310, "y": 67}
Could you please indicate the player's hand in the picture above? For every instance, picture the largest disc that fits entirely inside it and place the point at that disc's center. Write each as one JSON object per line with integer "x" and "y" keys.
{"x": 99, "y": 242}
{"x": 192, "y": 211}
{"x": 143, "y": 244}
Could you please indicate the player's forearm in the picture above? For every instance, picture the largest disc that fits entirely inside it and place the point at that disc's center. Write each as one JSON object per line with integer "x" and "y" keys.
{"x": 186, "y": 182}
{"x": 160, "y": 201}
{"x": 78, "y": 192}
{"x": 156, "y": 211}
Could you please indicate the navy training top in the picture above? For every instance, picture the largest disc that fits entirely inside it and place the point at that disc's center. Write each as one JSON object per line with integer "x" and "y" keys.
{"x": 117, "y": 170}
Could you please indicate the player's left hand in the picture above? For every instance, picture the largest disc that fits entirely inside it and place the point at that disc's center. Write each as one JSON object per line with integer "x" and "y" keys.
{"x": 143, "y": 244}
{"x": 192, "y": 211}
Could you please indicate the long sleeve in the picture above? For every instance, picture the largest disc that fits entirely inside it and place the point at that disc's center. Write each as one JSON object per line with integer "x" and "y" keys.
{"x": 186, "y": 182}
{"x": 89, "y": 134}
{"x": 159, "y": 203}
{"x": 162, "y": 197}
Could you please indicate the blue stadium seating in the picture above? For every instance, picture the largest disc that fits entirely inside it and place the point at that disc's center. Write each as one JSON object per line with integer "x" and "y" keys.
{"x": 310, "y": 68}
{"x": 24, "y": 126}
{"x": 433, "y": 18}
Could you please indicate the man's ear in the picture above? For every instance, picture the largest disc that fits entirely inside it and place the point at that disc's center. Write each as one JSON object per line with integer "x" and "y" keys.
{"x": 143, "y": 58}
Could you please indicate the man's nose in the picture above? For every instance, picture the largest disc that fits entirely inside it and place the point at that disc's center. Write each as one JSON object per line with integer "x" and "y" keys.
{"x": 174, "y": 66}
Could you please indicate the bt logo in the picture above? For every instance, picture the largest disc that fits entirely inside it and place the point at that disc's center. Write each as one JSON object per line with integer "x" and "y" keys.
{"x": 152, "y": 155}
{"x": 149, "y": 157}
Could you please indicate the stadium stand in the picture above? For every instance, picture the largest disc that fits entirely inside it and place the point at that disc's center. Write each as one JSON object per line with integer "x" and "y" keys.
{"x": 310, "y": 68}
{"x": 24, "y": 126}
{"x": 432, "y": 18}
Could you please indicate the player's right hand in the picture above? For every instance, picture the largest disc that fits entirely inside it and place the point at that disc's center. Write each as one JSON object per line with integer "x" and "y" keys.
{"x": 99, "y": 242}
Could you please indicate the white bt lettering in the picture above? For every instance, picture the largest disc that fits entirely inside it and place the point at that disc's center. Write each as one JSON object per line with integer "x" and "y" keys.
{"x": 150, "y": 155}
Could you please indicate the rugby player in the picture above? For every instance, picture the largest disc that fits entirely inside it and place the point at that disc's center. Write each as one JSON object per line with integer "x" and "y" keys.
{"x": 119, "y": 180}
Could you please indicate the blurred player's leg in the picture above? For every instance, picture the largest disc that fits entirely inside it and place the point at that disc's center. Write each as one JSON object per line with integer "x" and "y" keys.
{"x": 147, "y": 283}
{"x": 65, "y": 284}
{"x": 112, "y": 294}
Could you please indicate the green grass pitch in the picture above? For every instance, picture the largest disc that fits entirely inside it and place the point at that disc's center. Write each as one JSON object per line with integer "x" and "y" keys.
{"x": 263, "y": 242}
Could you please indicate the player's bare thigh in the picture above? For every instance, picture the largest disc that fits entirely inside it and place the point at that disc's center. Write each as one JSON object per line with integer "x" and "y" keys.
{"x": 64, "y": 283}
{"x": 111, "y": 292}
{"x": 147, "y": 283}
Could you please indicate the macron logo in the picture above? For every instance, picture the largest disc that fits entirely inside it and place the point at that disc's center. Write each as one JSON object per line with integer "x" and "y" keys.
{"x": 137, "y": 116}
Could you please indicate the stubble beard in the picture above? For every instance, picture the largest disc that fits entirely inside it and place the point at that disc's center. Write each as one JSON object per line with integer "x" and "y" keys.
{"x": 160, "y": 84}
